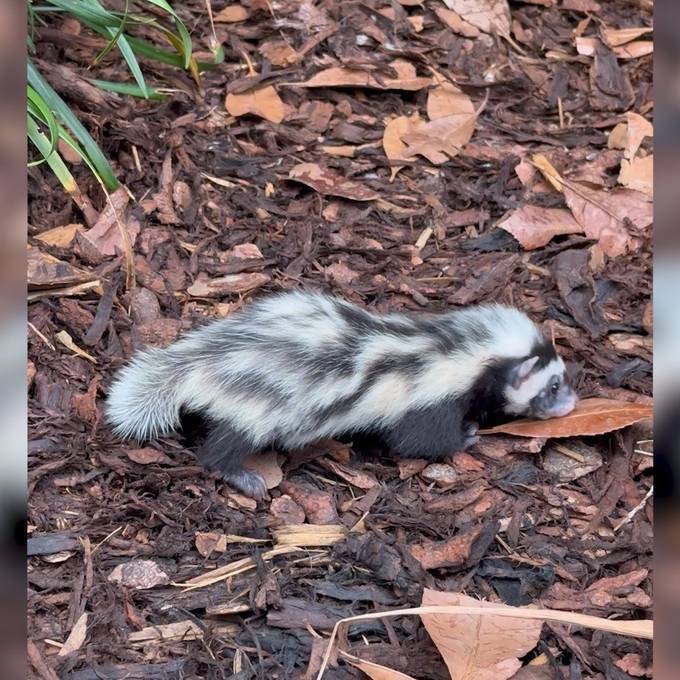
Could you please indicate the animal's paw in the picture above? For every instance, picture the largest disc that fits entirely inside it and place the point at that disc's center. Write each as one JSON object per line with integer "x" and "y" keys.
{"x": 248, "y": 482}
{"x": 470, "y": 433}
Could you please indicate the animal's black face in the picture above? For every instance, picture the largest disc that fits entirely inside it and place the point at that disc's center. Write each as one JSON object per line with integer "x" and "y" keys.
{"x": 539, "y": 391}
{"x": 556, "y": 399}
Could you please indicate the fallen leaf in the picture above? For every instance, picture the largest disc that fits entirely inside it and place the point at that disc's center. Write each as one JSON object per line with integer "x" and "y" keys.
{"x": 638, "y": 174}
{"x": 373, "y": 670}
{"x": 410, "y": 466}
{"x": 590, "y": 417}
{"x": 392, "y": 143}
{"x": 139, "y": 575}
{"x": 477, "y": 647}
{"x": 490, "y": 16}
{"x": 209, "y": 541}
{"x": 620, "y": 36}
{"x": 629, "y": 135}
{"x": 342, "y": 76}
{"x": 455, "y": 22}
{"x": 328, "y": 182}
{"x": 231, "y": 14}
{"x": 147, "y": 456}
{"x": 46, "y": 271}
{"x": 226, "y": 285}
{"x": 66, "y": 340}
{"x": 441, "y": 139}
{"x": 267, "y": 465}
{"x": 279, "y": 53}
{"x": 447, "y": 100}
{"x": 602, "y": 214}
{"x": 76, "y": 637}
{"x": 263, "y": 102}
{"x": 60, "y": 237}
{"x": 107, "y": 236}
{"x": 534, "y": 226}
{"x": 361, "y": 480}
{"x": 587, "y": 47}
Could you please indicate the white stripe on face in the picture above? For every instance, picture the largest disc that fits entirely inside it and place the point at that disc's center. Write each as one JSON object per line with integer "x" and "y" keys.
{"x": 520, "y": 397}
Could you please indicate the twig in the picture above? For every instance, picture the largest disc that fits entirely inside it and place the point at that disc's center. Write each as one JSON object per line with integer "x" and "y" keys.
{"x": 635, "y": 510}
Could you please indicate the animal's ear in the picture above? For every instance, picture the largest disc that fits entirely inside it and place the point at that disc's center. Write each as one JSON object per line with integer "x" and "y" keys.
{"x": 521, "y": 372}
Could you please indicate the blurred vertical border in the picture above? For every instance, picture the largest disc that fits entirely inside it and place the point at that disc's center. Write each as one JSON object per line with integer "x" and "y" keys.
{"x": 667, "y": 336}
{"x": 13, "y": 337}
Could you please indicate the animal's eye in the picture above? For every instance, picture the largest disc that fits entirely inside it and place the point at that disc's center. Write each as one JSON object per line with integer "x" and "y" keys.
{"x": 555, "y": 387}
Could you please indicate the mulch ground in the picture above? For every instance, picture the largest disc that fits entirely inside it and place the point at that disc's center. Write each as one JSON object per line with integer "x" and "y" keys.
{"x": 216, "y": 220}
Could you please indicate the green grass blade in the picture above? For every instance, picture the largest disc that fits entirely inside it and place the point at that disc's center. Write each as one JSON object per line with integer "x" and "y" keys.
{"x": 53, "y": 158}
{"x": 37, "y": 107}
{"x": 68, "y": 118}
{"x": 181, "y": 29}
{"x": 110, "y": 45}
{"x": 131, "y": 89}
{"x": 86, "y": 11}
{"x": 133, "y": 64}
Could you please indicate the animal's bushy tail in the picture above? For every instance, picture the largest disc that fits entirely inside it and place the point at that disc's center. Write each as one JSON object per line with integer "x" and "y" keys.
{"x": 145, "y": 399}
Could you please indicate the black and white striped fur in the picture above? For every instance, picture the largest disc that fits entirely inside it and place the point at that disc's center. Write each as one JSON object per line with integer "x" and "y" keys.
{"x": 293, "y": 368}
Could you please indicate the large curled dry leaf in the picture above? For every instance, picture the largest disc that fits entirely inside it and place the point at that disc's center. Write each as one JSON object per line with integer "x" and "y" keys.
{"x": 620, "y": 36}
{"x": 342, "y": 76}
{"x": 328, "y": 182}
{"x": 490, "y": 16}
{"x": 628, "y": 135}
{"x": 534, "y": 226}
{"x": 478, "y": 647}
{"x": 602, "y": 214}
{"x": 590, "y": 417}
{"x": 263, "y": 102}
{"x": 638, "y": 174}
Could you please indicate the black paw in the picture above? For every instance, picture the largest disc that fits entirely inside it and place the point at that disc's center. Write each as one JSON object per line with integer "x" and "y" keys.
{"x": 470, "y": 433}
{"x": 248, "y": 482}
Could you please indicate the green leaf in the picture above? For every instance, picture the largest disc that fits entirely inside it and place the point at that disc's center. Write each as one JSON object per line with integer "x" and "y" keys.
{"x": 133, "y": 64}
{"x": 127, "y": 88}
{"x": 36, "y": 106}
{"x": 59, "y": 107}
{"x": 52, "y": 157}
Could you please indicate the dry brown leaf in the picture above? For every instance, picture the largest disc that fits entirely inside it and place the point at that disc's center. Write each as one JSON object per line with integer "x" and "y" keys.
{"x": 620, "y": 36}
{"x": 634, "y": 50}
{"x": 490, "y": 16}
{"x": 76, "y": 637}
{"x": 60, "y": 237}
{"x": 263, "y": 102}
{"x": 638, "y": 174}
{"x": 590, "y": 417}
{"x": 328, "y": 182}
{"x": 231, "y": 14}
{"x": 341, "y": 76}
{"x": 456, "y": 23}
{"x": 361, "y": 480}
{"x": 587, "y": 46}
{"x": 629, "y": 135}
{"x": 534, "y": 226}
{"x": 147, "y": 456}
{"x": 279, "y": 53}
{"x": 393, "y": 146}
{"x": 46, "y": 271}
{"x": 478, "y": 647}
{"x": 602, "y": 214}
{"x": 448, "y": 100}
{"x": 373, "y": 670}
{"x": 267, "y": 464}
{"x": 209, "y": 542}
{"x": 225, "y": 285}
{"x": 106, "y": 235}
{"x": 66, "y": 340}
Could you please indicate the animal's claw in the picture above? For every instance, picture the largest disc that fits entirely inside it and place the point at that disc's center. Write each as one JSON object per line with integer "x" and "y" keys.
{"x": 249, "y": 483}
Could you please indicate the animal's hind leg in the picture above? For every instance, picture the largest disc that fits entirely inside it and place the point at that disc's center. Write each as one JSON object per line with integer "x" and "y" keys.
{"x": 224, "y": 451}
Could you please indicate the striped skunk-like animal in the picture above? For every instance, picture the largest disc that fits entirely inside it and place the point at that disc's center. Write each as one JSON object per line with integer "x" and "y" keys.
{"x": 297, "y": 367}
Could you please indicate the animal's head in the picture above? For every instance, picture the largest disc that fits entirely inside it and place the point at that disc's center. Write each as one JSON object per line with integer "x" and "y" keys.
{"x": 538, "y": 386}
